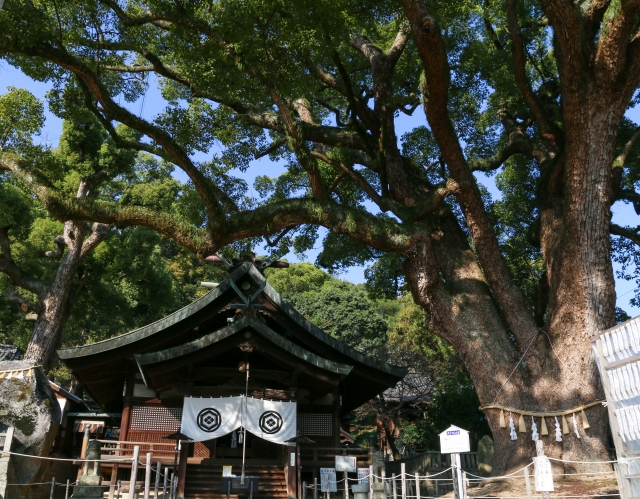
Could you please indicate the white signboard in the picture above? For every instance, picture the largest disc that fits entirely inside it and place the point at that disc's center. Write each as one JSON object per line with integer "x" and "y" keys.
{"x": 454, "y": 440}
{"x": 328, "y": 480}
{"x": 363, "y": 475}
{"x": 293, "y": 459}
{"x": 543, "y": 475}
{"x": 346, "y": 463}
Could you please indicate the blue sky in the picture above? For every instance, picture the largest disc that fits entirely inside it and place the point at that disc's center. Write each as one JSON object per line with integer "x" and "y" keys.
{"x": 152, "y": 103}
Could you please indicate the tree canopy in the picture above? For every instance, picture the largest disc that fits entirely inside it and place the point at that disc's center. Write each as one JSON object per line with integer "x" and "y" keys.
{"x": 534, "y": 92}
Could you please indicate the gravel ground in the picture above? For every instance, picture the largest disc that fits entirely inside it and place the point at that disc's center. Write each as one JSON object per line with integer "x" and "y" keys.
{"x": 598, "y": 486}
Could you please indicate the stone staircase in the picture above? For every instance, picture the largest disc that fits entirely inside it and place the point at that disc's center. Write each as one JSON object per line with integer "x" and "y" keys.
{"x": 204, "y": 482}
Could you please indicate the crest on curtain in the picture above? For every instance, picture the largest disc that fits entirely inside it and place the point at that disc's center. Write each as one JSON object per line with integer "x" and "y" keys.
{"x": 208, "y": 418}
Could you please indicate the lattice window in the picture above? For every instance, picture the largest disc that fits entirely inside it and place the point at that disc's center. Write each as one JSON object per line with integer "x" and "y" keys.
{"x": 156, "y": 418}
{"x": 320, "y": 425}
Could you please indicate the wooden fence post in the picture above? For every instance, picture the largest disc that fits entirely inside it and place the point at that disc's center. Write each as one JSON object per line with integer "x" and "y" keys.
{"x": 346, "y": 486}
{"x": 540, "y": 453}
{"x": 147, "y": 476}
{"x": 527, "y": 482}
{"x": 164, "y": 484}
{"x": 465, "y": 481}
{"x": 134, "y": 472}
{"x": 157, "y": 485}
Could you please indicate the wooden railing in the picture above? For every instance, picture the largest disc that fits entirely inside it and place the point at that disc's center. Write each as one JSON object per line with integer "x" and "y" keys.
{"x": 164, "y": 452}
{"x": 321, "y": 456}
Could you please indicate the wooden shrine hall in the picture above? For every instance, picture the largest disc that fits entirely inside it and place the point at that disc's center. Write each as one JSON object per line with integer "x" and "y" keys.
{"x": 204, "y": 350}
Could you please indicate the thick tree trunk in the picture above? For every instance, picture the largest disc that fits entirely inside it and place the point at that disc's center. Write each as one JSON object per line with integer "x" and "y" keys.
{"x": 473, "y": 302}
{"x": 54, "y": 302}
{"x": 446, "y": 279}
{"x": 387, "y": 432}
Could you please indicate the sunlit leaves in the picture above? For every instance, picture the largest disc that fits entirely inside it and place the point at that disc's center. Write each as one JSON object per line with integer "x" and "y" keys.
{"x": 21, "y": 116}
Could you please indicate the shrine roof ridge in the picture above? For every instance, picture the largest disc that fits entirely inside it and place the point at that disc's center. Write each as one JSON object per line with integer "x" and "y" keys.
{"x": 231, "y": 329}
{"x": 201, "y": 303}
{"x": 154, "y": 327}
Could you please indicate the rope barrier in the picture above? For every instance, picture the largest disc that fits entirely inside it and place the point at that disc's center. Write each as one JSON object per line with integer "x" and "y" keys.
{"x": 115, "y": 460}
{"x": 552, "y": 497}
{"x": 20, "y": 369}
{"x": 595, "y": 462}
{"x": 499, "y": 477}
{"x": 548, "y": 414}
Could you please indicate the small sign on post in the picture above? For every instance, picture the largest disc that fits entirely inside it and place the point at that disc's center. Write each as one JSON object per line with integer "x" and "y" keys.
{"x": 543, "y": 474}
{"x": 346, "y": 463}
{"x": 453, "y": 441}
{"x": 363, "y": 475}
{"x": 328, "y": 480}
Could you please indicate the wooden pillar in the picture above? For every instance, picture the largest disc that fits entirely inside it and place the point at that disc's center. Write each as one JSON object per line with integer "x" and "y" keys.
{"x": 125, "y": 422}
{"x": 290, "y": 472}
{"x": 182, "y": 469}
{"x": 298, "y": 471}
{"x": 127, "y": 390}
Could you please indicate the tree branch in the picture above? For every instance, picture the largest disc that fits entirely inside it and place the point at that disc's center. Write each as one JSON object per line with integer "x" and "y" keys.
{"x": 632, "y": 235}
{"x": 489, "y": 27}
{"x": 612, "y": 59}
{"x": 382, "y": 233}
{"x": 212, "y": 196}
{"x": 129, "y": 69}
{"x": 621, "y": 159}
{"x": 517, "y": 144}
{"x": 593, "y": 17}
{"x": 299, "y": 147}
{"x": 158, "y": 20}
{"x": 336, "y": 182}
{"x": 64, "y": 208}
{"x": 397, "y": 48}
{"x": 14, "y": 272}
{"x": 384, "y": 204}
{"x": 326, "y": 78}
{"x": 432, "y": 52}
{"x": 519, "y": 60}
{"x": 58, "y": 252}
{"x": 99, "y": 233}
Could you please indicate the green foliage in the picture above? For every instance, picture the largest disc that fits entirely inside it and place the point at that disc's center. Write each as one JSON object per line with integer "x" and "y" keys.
{"x": 339, "y": 308}
{"x": 133, "y": 278}
{"x": 457, "y": 407}
{"x": 438, "y": 388}
{"x": 21, "y": 116}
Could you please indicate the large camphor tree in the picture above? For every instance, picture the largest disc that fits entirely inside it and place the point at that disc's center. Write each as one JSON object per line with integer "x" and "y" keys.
{"x": 533, "y": 90}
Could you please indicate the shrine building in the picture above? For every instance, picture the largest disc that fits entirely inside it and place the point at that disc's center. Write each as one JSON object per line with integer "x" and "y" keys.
{"x": 300, "y": 383}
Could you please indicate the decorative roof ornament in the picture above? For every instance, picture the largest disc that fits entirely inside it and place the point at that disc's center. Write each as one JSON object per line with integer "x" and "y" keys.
{"x": 259, "y": 263}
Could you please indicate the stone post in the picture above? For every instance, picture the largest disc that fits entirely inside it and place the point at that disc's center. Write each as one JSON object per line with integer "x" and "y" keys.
{"x": 89, "y": 484}
{"x": 486, "y": 451}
